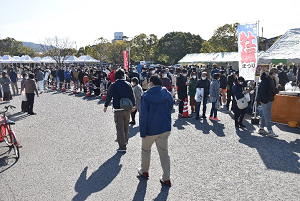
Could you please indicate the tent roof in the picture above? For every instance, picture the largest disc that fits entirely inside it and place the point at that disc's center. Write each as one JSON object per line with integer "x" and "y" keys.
{"x": 286, "y": 48}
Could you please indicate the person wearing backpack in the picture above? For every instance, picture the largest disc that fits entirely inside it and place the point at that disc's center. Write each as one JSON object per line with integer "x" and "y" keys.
{"x": 118, "y": 90}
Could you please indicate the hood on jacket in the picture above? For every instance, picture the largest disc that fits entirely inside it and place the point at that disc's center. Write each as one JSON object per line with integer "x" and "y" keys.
{"x": 263, "y": 76}
{"x": 156, "y": 94}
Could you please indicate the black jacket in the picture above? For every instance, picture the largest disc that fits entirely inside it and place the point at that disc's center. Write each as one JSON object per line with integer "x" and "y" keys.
{"x": 124, "y": 90}
{"x": 181, "y": 84}
{"x": 204, "y": 84}
{"x": 283, "y": 78}
{"x": 266, "y": 89}
{"x": 223, "y": 82}
{"x": 230, "y": 81}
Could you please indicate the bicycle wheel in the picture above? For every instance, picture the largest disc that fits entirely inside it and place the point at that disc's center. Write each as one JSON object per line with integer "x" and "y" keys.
{"x": 5, "y": 135}
{"x": 15, "y": 144}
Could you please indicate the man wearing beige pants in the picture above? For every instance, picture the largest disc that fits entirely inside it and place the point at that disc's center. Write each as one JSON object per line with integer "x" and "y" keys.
{"x": 155, "y": 126}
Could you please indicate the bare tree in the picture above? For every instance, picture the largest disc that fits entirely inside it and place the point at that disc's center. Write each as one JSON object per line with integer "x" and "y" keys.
{"x": 58, "y": 49}
{"x": 102, "y": 48}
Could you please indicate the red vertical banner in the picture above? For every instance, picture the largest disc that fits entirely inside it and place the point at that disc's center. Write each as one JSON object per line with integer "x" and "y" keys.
{"x": 125, "y": 56}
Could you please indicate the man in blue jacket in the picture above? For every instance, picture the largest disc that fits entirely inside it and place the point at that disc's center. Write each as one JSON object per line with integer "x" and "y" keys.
{"x": 155, "y": 126}
{"x": 14, "y": 79}
{"x": 116, "y": 91}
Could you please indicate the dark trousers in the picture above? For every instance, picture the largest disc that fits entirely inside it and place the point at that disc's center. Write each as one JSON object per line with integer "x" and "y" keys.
{"x": 24, "y": 106}
{"x": 239, "y": 115}
{"x": 133, "y": 115}
{"x": 30, "y": 101}
{"x": 122, "y": 125}
{"x": 181, "y": 98}
{"x": 204, "y": 107}
{"x": 229, "y": 98}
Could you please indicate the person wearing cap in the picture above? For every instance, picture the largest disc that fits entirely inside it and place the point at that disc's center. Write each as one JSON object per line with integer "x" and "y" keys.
{"x": 137, "y": 92}
{"x": 266, "y": 92}
{"x": 214, "y": 70}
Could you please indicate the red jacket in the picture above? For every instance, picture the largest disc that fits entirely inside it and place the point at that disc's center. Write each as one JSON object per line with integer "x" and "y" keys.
{"x": 111, "y": 76}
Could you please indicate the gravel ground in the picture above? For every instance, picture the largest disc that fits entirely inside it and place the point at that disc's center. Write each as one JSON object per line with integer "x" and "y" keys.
{"x": 69, "y": 153}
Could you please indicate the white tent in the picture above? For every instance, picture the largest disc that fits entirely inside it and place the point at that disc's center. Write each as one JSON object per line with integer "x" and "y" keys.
{"x": 16, "y": 58}
{"x": 7, "y": 59}
{"x": 25, "y": 59}
{"x": 285, "y": 50}
{"x": 87, "y": 59}
{"x": 47, "y": 59}
{"x": 37, "y": 59}
{"x": 72, "y": 59}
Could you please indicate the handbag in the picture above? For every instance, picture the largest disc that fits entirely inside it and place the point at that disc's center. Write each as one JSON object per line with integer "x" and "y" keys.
{"x": 217, "y": 105}
{"x": 241, "y": 103}
{"x": 125, "y": 103}
{"x": 199, "y": 95}
{"x": 23, "y": 96}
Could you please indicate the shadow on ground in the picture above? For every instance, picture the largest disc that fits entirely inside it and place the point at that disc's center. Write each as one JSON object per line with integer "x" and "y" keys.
{"x": 99, "y": 179}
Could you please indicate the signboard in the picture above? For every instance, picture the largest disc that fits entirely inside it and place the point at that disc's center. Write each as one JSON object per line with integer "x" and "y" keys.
{"x": 247, "y": 45}
{"x": 125, "y": 56}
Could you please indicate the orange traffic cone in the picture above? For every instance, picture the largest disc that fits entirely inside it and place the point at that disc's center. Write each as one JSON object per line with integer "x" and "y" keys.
{"x": 74, "y": 89}
{"x": 72, "y": 83}
{"x": 54, "y": 85}
{"x": 104, "y": 95}
{"x": 63, "y": 87}
{"x": 88, "y": 93}
{"x": 185, "y": 113}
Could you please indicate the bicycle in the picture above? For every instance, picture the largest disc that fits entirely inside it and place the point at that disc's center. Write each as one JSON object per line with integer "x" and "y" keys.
{"x": 7, "y": 134}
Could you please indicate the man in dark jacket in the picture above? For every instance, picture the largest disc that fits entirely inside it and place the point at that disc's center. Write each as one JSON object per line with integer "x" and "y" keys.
{"x": 223, "y": 85}
{"x": 283, "y": 79}
{"x": 230, "y": 82}
{"x": 61, "y": 77}
{"x": 30, "y": 88}
{"x": 265, "y": 97}
{"x": 205, "y": 84}
{"x": 117, "y": 90}
{"x": 14, "y": 79}
{"x": 155, "y": 126}
{"x": 182, "y": 84}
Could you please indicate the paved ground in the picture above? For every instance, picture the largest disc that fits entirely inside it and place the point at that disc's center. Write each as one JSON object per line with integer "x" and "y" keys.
{"x": 69, "y": 153}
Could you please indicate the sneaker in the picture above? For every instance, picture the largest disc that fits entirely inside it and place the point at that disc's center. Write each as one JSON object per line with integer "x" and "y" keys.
{"x": 143, "y": 174}
{"x": 167, "y": 183}
{"x": 271, "y": 134}
{"x": 121, "y": 150}
{"x": 262, "y": 132}
{"x": 216, "y": 119}
{"x": 211, "y": 118}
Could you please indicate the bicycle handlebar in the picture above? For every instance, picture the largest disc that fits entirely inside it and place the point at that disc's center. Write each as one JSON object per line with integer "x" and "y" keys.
{"x": 9, "y": 106}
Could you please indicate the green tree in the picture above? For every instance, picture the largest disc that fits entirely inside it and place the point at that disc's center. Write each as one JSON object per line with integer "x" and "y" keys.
{"x": 142, "y": 47}
{"x": 224, "y": 39}
{"x": 115, "y": 52}
{"x": 10, "y": 46}
{"x": 101, "y": 47}
{"x": 174, "y": 45}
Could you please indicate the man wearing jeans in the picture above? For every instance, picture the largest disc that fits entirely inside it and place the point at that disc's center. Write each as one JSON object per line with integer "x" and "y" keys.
{"x": 120, "y": 89}
{"x": 265, "y": 96}
{"x": 14, "y": 79}
{"x": 155, "y": 126}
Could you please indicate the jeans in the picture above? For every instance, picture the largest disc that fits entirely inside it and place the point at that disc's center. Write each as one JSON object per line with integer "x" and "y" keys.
{"x": 213, "y": 110}
{"x": 67, "y": 82}
{"x": 161, "y": 142}
{"x": 204, "y": 107}
{"x": 41, "y": 85}
{"x": 266, "y": 116}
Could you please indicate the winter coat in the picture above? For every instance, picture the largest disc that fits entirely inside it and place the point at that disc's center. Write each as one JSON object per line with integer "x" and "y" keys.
{"x": 13, "y": 76}
{"x": 266, "y": 90}
{"x": 223, "y": 82}
{"x": 204, "y": 84}
{"x": 237, "y": 91}
{"x": 167, "y": 83}
{"x": 124, "y": 90}
{"x": 155, "y": 111}
{"x": 214, "y": 90}
{"x": 67, "y": 75}
{"x": 137, "y": 91}
{"x": 181, "y": 84}
{"x": 192, "y": 87}
{"x": 5, "y": 87}
{"x": 40, "y": 76}
{"x": 30, "y": 86}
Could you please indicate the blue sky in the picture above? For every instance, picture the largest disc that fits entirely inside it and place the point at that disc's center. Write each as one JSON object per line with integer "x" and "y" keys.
{"x": 85, "y": 21}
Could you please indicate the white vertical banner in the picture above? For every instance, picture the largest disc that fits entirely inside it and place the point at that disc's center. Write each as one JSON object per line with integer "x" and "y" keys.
{"x": 248, "y": 47}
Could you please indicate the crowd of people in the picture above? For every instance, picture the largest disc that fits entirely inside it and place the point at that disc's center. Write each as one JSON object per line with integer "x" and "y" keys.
{"x": 152, "y": 92}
